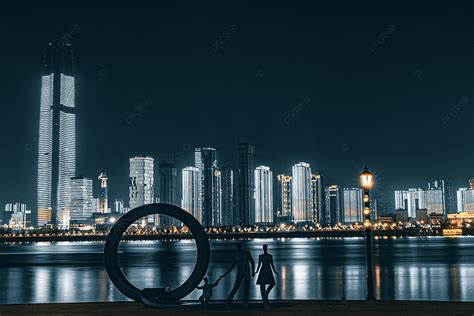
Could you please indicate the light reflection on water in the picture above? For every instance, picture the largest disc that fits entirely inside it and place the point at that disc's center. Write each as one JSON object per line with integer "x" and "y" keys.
{"x": 405, "y": 269}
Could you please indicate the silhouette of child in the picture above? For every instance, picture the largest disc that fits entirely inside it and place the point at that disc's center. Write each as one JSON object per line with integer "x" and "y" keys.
{"x": 207, "y": 290}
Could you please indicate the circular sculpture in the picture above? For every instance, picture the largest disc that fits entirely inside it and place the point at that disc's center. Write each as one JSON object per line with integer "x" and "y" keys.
{"x": 156, "y": 296}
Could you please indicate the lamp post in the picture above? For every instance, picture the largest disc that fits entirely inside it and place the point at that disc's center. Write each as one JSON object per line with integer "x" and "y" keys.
{"x": 367, "y": 182}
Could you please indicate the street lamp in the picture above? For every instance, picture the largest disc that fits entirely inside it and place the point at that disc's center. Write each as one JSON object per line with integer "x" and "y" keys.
{"x": 367, "y": 182}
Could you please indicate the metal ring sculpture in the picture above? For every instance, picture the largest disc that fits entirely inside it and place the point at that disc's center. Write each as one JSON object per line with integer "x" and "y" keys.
{"x": 158, "y": 296}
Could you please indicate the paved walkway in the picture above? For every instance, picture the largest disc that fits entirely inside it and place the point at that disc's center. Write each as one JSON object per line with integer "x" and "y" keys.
{"x": 320, "y": 308}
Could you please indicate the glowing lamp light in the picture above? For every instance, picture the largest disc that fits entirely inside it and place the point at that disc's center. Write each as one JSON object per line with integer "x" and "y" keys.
{"x": 367, "y": 179}
{"x": 112, "y": 220}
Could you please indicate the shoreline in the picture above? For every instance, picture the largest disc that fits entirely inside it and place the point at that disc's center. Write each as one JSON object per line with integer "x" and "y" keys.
{"x": 227, "y": 235}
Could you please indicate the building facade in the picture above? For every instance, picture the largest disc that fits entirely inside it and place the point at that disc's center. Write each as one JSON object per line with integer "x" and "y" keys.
{"x": 335, "y": 205}
{"x": 246, "y": 184}
{"x": 263, "y": 195}
{"x": 81, "y": 200}
{"x": 353, "y": 205}
{"x": 191, "y": 200}
{"x": 57, "y": 138}
{"x": 205, "y": 159}
{"x": 283, "y": 199}
{"x": 103, "y": 193}
{"x": 301, "y": 193}
{"x": 141, "y": 184}
{"x": 227, "y": 193}
{"x": 167, "y": 188}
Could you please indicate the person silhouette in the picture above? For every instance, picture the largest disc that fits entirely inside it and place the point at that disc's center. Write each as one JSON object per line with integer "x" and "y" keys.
{"x": 265, "y": 277}
{"x": 242, "y": 259}
{"x": 207, "y": 291}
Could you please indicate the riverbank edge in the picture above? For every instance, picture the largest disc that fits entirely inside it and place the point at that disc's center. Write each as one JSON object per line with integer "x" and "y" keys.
{"x": 294, "y": 307}
{"x": 250, "y": 235}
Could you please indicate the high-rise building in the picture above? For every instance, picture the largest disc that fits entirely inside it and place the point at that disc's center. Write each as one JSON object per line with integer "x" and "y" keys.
{"x": 465, "y": 200}
{"x": 168, "y": 175}
{"x": 102, "y": 193}
{"x": 205, "y": 159}
{"x": 353, "y": 205}
{"x": 447, "y": 196}
{"x": 227, "y": 193}
{"x": 263, "y": 195}
{"x": 435, "y": 201}
{"x": 141, "y": 184}
{"x": 81, "y": 200}
{"x": 246, "y": 184}
{"x": 471, "y": 183}
{"x": 318, "y": 199}
{"x": 191, "y": 201}
{"x": 301, "y": 193}
{"x": 334, "y": 204}
{"x": 16, "y": 216}
{"x": 119, "y": 206}
{"x": 283, "y": 201}
{"x": 57, "y": 137}
{"x": 411, "y": 200}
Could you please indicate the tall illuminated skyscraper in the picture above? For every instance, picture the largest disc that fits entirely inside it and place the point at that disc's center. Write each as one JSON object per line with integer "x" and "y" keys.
{"x": 283, "y": 202}
{"x": 57, "y": 137}
{"x": 81, "y": 200}
{"x": 263, "y": 195}
{"x": 318, "y": 199}
{"x": 191, "y": 200}
{"x": 227, "y": 194}
{"x": 301, "y": 193}
{"x": 410, "y": 200}
{"x": 103, "y": 194}
{"x": 334, "y": 204}
{"x": 141, "y": 183}
{"x": 205, "y": 159}
{"x": 246, "y": 184}
{"x": 353, "y": 205}
{"x": 167, "y": 176}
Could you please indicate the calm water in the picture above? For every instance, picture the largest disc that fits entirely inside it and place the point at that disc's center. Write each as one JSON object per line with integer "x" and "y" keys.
{"x": 434, "y": 268}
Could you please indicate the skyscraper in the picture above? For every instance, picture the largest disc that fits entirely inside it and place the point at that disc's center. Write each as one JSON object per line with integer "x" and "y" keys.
{"x": 263, "y": 195}
{"x": 465, "y": 200}
{"x": 227, "y": 193}
{"x": 447, "y": 195}
{"x": 119, "y": 206}
{"x": 191, "y": 201}
{"x": 411, "y": 200}
{"x": 168, "y": 174}
{"x": 283, "y": 202}
{"x": 246, "y": 184}
{"x": 334, "y": 204}
{"x": 353, "y": 205}
{"x": 57, "y": 137}
{"x": 102, "y": 193}
{"x": 318, "y": 199}
{"x": 301, "y": 193}
{"x": 205, "y": 159}
{"x": 81, "y": 200}
{"x": 141, "y": 183}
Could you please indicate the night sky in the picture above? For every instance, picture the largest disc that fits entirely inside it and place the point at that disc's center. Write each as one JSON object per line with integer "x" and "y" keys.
{"x": 339, "y": 85}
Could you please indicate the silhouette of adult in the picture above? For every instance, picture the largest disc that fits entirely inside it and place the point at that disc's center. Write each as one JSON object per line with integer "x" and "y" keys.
{"x": 243, "y": 260}
{"x": 265, "y": 277}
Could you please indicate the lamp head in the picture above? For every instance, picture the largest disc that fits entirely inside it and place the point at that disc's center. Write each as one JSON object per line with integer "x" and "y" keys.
{"x": 366, "y": 179}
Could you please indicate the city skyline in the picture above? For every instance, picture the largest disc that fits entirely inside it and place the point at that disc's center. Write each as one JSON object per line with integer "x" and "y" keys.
{"x": 111, "y": 123}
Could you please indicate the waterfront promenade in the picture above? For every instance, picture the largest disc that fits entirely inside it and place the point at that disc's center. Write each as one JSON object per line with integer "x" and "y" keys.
{"x": 300, "y": 308}
{"x": 223, "y": 235}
